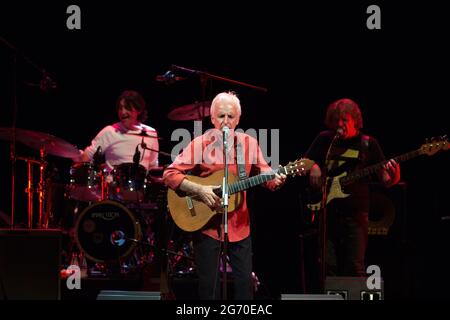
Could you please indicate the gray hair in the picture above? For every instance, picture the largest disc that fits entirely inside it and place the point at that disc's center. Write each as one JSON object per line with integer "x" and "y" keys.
{"x": 226, "y": 96}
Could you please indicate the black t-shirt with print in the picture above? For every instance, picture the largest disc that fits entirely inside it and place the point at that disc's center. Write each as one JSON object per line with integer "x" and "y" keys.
{"x": 347, "y": 156}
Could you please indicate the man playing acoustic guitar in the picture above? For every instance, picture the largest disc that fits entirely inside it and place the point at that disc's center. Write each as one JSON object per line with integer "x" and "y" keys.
{"x": 203, "y": 158}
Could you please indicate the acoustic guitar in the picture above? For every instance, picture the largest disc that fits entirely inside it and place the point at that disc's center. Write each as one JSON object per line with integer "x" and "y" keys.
{"x": 191, "y": 214}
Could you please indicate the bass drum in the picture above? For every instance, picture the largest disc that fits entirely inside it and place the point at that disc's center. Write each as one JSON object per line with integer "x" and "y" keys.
{"x": 102, "y": 231}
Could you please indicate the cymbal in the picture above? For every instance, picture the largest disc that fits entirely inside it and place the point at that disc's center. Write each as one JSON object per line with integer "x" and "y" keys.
{"x": 39, "y": 140}
{"x": 144, "y": 133}
{"x": 195, "y": 111}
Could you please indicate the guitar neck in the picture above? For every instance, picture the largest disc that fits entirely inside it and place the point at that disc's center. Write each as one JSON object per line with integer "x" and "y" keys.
{"x": 245, "y": 184}
{"x": 359, "y": 174}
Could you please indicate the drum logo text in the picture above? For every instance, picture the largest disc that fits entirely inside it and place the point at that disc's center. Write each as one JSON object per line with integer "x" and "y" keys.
{"x": 108, "y": 215}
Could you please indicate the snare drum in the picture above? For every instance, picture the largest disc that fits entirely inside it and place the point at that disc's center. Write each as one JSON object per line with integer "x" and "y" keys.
{"x": 104, "y": 231}
{"x": 129, "y": 182}
{"x": 85, "y": 182}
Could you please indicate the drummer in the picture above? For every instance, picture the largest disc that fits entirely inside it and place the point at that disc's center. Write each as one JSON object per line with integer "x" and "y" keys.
{"x": 121, "y": 142}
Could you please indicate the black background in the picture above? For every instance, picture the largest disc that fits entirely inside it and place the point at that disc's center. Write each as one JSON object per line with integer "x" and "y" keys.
{"x": 307, "y": 55}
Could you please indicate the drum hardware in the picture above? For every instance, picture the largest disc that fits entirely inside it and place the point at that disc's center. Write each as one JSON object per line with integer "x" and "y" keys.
{"x": 105, "y": 190}
{"x": 183, "y": 263}
{"x": 144, "y": 146}
{"x": 46, "y": 144}
{"x": 30, "y": 190}
{"x": 119, "y": 238}
{"x": 144, "y": 134}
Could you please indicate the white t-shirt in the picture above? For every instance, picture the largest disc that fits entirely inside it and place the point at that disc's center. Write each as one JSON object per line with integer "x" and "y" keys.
{"x": 120, "y": 147}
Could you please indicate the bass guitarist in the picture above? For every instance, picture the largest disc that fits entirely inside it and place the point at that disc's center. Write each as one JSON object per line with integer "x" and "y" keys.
{"x": 338, "y": 151}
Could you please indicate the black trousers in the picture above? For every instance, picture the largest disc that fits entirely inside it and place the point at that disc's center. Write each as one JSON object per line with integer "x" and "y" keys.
{"x": 347, "y": 234}
{"x": 208, "y": 259}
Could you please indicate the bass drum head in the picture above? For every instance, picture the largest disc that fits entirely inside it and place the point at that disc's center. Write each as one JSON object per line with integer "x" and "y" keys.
{"x": 101, "y": 231}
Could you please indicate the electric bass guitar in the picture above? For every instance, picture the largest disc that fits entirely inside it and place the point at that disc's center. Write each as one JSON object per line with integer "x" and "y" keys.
{"x": 336, "y": 183}
{"x": 191, "y": 214}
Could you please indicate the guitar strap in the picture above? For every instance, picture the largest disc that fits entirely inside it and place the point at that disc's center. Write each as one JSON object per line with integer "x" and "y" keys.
{"x": 240, "y": 160}
{"x": 364, "y": 147}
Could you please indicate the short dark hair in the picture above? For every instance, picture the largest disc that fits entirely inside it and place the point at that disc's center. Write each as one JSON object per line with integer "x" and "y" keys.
{"x": 133, "y": 99}
{"x": 341, "y": 107}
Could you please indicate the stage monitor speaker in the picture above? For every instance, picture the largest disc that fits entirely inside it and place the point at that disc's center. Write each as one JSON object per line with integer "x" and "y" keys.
{"x": 128, "y": 295}
{"x": 30, "y": 264}
{"x": 311, "y": 297}
{"x": 353, "y": 288}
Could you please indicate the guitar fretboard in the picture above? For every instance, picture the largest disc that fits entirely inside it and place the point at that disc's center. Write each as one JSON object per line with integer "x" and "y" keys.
{"x": 359, "y": 174}
{"x": 242, "y": 185}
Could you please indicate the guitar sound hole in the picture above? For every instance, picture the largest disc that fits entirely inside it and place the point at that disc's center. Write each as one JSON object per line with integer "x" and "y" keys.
{"x": 218, "y": 192}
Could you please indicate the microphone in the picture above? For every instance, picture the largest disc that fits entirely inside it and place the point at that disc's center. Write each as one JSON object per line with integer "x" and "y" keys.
{"x": 117, "y": 238}
{"x": 144, "y": 134}
{"x": 339, "y": 132}
{"x": 225, "y": 131}
{"x": 169, "y": 78}
{"x": 137, "y": 156}
{"x": 99, "y": 157}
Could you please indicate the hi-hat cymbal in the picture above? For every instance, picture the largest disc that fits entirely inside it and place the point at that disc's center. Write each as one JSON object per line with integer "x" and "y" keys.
{"x": 195, "y": 111}
{"x": 146, "y": 134}
{"x": 39, "y": 140}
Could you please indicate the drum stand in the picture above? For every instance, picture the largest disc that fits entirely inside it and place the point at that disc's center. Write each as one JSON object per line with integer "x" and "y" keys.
{"x": 165, "y": 286}
{"x": 40, "y": 190}
{"x": 104, "y": 184}
{"x": 152, "y": 246}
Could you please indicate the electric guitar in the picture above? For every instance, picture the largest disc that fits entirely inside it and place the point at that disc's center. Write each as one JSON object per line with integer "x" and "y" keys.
{"x": 191, "y": 214}
{"x": 336, "y": 183}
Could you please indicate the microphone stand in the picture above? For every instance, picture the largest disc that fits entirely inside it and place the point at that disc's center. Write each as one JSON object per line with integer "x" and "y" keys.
{"x": 323, "y": 223}
{"x": 225, "y": 193}
{"x": 212, "y": 76}
{"x": 144, "y": 146}
{"x": 204, "y": 76}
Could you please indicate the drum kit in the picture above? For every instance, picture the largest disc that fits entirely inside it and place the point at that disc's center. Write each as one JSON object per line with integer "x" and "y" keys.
{"x": 121, "y": 210}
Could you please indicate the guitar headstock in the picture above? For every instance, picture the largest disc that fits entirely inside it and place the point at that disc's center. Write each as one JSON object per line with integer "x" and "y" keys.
{"x": 434, "y": 145}
{"x": 298, "y": 167}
